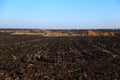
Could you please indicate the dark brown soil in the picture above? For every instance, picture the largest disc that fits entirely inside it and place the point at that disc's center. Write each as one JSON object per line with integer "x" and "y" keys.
{"x": 59, "y": 58}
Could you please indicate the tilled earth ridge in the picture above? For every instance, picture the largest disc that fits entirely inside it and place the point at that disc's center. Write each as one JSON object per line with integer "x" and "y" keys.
{"x": 59, "y": 58}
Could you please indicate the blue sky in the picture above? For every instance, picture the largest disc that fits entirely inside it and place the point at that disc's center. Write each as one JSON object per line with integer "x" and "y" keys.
{"x": 60, "y": 14}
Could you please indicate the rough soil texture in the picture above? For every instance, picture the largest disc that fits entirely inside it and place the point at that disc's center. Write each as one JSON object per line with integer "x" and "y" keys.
{"x": 59, "y": 58}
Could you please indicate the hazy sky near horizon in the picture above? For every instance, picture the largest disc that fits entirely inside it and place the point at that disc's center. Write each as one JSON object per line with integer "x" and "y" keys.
{"x": 60, "y": 14}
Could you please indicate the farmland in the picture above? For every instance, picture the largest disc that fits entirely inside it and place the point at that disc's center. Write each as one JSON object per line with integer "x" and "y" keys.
{"x": 35, "y": 57}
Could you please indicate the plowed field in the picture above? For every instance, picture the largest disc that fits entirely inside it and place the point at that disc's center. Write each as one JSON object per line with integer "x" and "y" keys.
{"x": 59, "y": 58}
